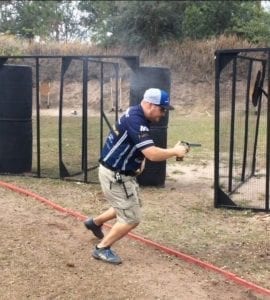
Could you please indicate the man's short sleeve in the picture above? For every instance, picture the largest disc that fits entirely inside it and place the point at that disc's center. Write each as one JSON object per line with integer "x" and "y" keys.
{"x": 139, "y": 132}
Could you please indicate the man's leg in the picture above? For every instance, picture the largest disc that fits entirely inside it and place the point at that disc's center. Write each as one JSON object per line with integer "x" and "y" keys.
{"x": 117, "y": 231}
{"x": 95, "y": 224}
{"x": 107, "y": 215}
{"x": 103, "y": 249}
{"x": 124, "y": 197}
{"x": 127, "y": 220}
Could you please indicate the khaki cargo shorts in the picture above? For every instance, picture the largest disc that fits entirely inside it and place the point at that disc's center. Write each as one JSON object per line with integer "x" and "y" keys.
{"x": 123, "y": 197}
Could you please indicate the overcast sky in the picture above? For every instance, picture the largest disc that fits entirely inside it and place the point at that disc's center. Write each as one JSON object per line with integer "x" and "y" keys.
{"x": 266, "y": 4}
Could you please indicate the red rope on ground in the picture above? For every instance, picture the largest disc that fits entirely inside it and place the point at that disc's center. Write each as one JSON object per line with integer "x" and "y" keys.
{"x": 185, "y": 257}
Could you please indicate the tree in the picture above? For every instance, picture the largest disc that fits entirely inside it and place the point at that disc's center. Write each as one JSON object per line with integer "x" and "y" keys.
{"x": 68, "y": 26}
{"x": 149, "y": 23}
{"x": 211, "y": 18}
{"x": 133, "y": 23}
{"x": 47, "y": 19}
{"x": 98, "y": 19}
{"x": 252, "y": 23}
{"x": 6, "y": 16}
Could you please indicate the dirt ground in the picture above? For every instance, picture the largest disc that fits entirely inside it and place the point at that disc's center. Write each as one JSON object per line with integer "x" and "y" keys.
{"x": 46, "y": 254}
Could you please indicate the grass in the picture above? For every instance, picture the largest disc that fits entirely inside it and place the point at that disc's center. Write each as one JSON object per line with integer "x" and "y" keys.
{"x": 179, "y": 128}
{"x": 194, "y": 129}
{"x": 72, "y": 146}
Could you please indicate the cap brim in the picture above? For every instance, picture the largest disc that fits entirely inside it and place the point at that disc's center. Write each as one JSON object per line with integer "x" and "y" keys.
{"x": 168, "y": 107}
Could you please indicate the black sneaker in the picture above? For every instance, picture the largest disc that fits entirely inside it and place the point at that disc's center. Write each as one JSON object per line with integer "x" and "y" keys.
{"x": 90, "y": 225}
{"x": 107, "y": 255}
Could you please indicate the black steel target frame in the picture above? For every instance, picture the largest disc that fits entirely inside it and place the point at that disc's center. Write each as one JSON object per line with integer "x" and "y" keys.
{"x": 222, "y": 198}
{"x": 131, "y": 61}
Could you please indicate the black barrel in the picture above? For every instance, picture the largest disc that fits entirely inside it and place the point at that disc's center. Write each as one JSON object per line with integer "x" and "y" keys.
{"x": 150, "y": 77}
{"x": 144, "y": 78}
{"x": 154, "y": 173}
{"x": 15, "y": 119}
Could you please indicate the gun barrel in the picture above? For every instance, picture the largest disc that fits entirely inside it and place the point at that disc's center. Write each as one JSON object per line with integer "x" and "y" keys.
{"x": 191, "y": 144}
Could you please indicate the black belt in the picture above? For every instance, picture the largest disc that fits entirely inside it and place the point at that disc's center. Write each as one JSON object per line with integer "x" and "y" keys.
{"x": 126, "y": 173}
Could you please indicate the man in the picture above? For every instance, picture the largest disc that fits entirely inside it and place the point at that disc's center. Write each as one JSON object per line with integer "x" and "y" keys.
{"x": 121, "y": 160}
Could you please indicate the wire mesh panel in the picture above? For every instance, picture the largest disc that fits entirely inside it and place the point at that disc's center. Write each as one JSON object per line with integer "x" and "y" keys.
{"x": 241, "y": 178}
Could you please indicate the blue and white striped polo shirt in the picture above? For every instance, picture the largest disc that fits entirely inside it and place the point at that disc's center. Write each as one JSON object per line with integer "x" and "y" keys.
{"x": 122, "y": 149}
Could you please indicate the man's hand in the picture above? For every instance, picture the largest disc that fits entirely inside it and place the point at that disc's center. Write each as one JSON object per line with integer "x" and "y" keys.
{"x": 181, "y": 150}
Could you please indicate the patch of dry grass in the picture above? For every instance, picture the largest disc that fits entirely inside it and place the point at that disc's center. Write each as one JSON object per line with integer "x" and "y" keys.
{"x": 193, "y": 60}
{"x": 190, "y": 59}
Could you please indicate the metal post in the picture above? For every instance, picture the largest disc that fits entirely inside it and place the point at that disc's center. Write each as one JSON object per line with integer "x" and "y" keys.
{"x": 116, "y": 66}
{"x": 217, "y": 127}
{"x": 111, "y": 94}
{"x": 38, "y": 117}
{"x": 267, "y": 208}
{"x": 231, "y": 155}
{"x": 62, "y": 169}
{"x": 101, "y": 106}
{"x": 246, "y": 122}
{"x": 61, "y": 116}
{"x": 120, "y": 94}
{"x": 85, "y": 120}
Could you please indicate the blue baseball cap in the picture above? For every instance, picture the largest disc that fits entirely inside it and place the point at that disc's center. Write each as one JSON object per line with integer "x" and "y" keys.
{"x": 157, "y": 97}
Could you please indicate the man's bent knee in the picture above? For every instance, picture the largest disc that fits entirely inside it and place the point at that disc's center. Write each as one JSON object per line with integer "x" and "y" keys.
{"x": 130, "y": 215}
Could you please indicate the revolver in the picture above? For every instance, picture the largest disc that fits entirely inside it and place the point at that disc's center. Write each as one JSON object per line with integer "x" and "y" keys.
{"x": 188, "y": 145}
